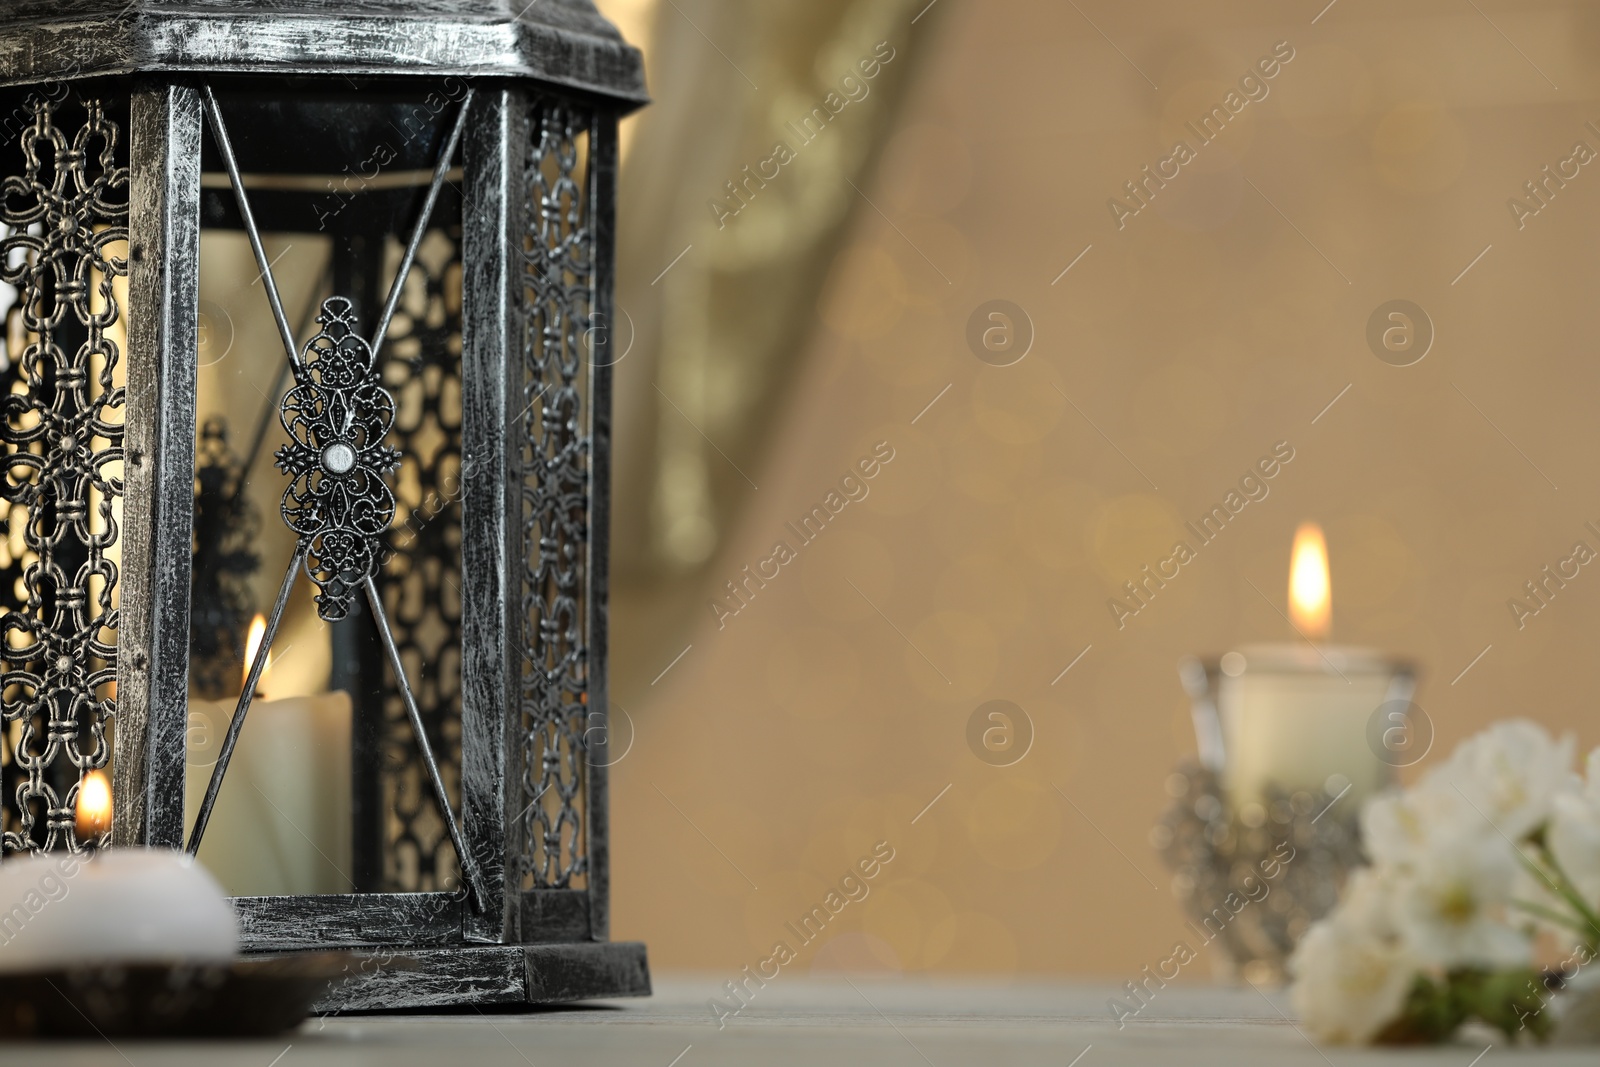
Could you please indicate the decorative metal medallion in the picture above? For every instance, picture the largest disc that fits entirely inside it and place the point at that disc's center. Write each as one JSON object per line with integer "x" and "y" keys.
{"x": 337, "y": 416}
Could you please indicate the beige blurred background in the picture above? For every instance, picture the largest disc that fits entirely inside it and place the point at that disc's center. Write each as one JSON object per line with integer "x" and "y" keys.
{"x": 770, "y": 754}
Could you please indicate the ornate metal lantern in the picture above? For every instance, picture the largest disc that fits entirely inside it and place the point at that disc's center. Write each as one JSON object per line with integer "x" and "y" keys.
{"x": 349, "y": 261}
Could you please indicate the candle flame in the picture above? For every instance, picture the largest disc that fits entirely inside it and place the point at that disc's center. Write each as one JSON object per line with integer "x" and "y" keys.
{"x": 94, "y": 806}
{"x": 1310, "y": 595}
{"x": 252, "y": 647}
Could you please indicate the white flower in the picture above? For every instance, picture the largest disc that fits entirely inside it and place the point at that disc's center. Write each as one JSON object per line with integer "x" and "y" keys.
{"x": 1367, "y": 902}
{"x": 1398, "y": 827}
{"x": 1446, "y": 865}
{"x": 1574, "y": 834}
{"x": 1451, "y": 904}
{"x": 1349, "y": 982}
{"x": 1591, "y": 785}
{"x": 1510, "y": 773}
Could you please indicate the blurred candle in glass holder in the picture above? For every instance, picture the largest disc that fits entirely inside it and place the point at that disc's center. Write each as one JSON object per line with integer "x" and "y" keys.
{"x": 1295, "y": 716}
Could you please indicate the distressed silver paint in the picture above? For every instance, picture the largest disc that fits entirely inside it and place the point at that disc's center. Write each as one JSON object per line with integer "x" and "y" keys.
{"x": 533, "y": 626}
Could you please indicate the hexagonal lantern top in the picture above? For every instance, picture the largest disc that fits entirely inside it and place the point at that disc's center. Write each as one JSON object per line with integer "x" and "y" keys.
{"x": 306, "y": 438}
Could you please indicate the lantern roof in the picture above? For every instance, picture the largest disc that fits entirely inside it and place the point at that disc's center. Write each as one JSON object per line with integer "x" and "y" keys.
{"x": 563, "y": 42}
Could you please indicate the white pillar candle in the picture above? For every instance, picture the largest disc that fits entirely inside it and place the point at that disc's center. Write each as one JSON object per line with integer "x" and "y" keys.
{"x": 282, "y": 822}
{"x": 281, "y": 825}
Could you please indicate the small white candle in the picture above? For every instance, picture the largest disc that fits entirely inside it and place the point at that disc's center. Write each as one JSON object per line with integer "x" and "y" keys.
{"x": 282, "y": 822}
{"x": 125, "y": 905}
{"x": 1296, "y": 719}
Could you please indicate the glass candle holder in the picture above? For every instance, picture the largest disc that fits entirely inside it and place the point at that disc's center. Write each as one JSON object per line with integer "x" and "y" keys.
{"x": 1264, "y": 826}
{"x": 1290, "y": 719}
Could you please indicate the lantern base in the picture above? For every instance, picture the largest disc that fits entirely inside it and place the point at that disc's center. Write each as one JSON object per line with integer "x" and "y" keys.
{"x": 432, "y": 979}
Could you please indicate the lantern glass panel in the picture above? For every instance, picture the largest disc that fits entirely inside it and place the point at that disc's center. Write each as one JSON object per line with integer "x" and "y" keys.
{"x": 327, "y": 791}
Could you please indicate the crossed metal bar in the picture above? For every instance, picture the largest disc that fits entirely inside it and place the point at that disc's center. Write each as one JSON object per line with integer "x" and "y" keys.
{"x": 219, "y": 131}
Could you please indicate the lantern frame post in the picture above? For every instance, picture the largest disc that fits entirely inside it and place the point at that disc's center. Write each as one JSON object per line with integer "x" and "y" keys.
{"x": 166, "y": 127}
{"x": 603, "y": 153}
{"x": 491, "y": 500}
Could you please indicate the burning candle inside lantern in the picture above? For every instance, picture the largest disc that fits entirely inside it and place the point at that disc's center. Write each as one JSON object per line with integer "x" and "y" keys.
{"x": 282, "y": 823}
{"x": 93, "y": 811}
{"x": 252, "y": 647}
{"x": 1294, "y": 717}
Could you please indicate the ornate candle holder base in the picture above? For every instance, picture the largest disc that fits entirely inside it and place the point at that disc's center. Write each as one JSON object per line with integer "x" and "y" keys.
{"x": 1253, "y": 884}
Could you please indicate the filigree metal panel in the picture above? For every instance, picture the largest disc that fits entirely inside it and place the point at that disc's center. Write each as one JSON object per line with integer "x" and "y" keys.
{"x": 556, "y": 456}
{"x": 421, "y": 578}
{"x": 63, "y": 246}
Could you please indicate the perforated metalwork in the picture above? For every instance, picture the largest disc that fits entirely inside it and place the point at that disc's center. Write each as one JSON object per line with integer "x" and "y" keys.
{"x": 421, "y": 576}
{"x": 62, "y": 248}
{"x": 555, "y": 444}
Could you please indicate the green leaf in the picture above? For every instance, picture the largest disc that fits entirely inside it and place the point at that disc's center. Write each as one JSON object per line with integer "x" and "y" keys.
{"x": 1511, "y": 1001}
{"x": 1431, "y": 1014}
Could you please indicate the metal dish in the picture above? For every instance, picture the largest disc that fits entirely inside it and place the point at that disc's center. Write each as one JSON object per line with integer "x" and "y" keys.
{"x": 248, "y": 998}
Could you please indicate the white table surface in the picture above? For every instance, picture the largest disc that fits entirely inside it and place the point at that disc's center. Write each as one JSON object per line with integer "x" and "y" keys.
{"x": 807, "y": 1021}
